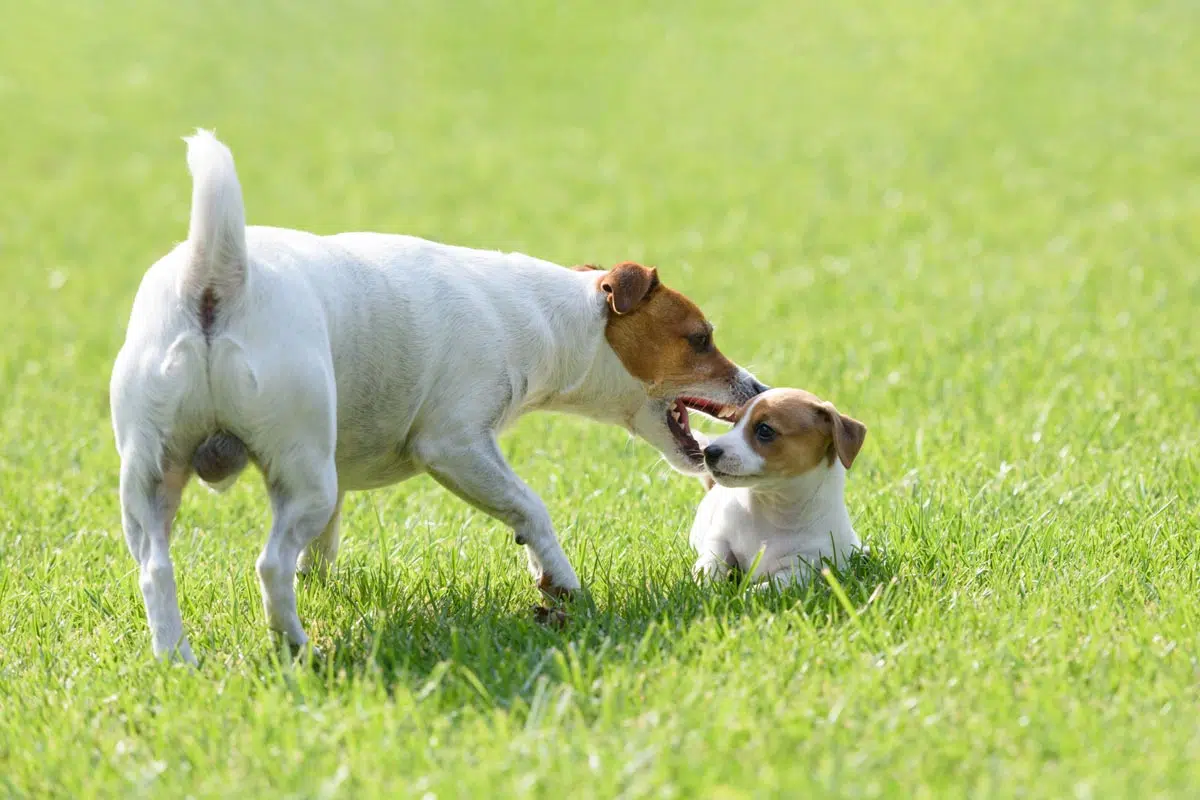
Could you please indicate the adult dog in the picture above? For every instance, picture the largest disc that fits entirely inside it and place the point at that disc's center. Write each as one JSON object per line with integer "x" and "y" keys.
{"x": 347, "y": 362}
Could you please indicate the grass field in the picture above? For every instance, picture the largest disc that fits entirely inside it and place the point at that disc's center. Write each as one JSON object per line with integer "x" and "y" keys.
{"x": 973, "y": 226}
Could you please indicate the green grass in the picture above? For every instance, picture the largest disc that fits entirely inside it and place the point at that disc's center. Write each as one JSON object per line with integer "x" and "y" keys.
{"x": 971, "y": 225}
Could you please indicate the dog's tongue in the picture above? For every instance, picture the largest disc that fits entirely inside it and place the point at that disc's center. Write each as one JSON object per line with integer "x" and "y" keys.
{"x": 683, "y": 416}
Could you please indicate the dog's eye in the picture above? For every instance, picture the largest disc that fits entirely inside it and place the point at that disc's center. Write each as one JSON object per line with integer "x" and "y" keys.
{"x": 701, "y": 342}
{"x": 764, "y": 432}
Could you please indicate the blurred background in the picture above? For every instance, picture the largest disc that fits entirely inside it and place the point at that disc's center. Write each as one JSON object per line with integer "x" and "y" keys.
{"x": 945, "y": 217}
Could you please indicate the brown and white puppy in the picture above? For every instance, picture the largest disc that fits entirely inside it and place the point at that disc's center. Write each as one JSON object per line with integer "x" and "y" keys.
{"x": 349, "y": 362}
{"x": 777, "y": 505}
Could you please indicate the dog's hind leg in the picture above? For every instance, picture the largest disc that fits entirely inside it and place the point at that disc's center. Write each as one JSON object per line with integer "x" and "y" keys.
{"x": 318, "y": 558}
{"x": 304, "y": 500}
{"x": 476, "y": 471}
{"x": 149, "y": 499}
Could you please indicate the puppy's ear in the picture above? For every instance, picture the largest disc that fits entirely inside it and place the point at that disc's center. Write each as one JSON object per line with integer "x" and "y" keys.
{"x": 847, "y": 434}
{"x": 627, "y": 285}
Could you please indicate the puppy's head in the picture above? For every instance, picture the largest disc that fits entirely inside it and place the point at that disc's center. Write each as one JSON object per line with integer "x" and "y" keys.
{"x": 782, "y": 434}
{"x": 663, "y": 341}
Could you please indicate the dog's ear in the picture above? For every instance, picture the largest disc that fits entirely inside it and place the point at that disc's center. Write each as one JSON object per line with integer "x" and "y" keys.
{"x": 847, "y": 434}
{"x": 627, "y": 285}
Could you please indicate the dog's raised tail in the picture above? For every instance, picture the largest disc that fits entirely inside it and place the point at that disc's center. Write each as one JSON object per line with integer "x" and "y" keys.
{"x": 216, "y": 270}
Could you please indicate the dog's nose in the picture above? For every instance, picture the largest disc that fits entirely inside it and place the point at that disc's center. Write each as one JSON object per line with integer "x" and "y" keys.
{"x": 713, "y": 453}
{"x": 759, "y": 387}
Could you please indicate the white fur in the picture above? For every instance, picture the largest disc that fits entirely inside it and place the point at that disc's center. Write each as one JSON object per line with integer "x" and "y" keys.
{"x": 779, "y": 531}
{"x": 351, "y": 362}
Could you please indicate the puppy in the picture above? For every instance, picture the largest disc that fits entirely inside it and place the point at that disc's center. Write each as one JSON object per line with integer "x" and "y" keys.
{"x": 349, "y": 362}
{"x": 777, "y": 505}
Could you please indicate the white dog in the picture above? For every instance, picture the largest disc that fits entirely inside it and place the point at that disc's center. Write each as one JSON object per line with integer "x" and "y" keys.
{"x": 354, "y": 361}
{"x": 778, "y": 504}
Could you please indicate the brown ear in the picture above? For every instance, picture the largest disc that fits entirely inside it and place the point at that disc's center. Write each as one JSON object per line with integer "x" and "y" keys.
{"x": 627, "y": 285}
{"x": 848, "y": 435}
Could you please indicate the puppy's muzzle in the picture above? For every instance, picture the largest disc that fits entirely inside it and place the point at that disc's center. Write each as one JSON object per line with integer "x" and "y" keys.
{"x": 712, "y": 454}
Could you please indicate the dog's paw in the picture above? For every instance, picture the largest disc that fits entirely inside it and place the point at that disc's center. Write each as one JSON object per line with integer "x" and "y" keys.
{"x": 180, "y": 654}
{"x": 316, "y": 572}
{"x": 551, "y": 617}
{"x": 307, "y": 652}
{"x": 289, "y": 652}
{"x": 552, "y": 591}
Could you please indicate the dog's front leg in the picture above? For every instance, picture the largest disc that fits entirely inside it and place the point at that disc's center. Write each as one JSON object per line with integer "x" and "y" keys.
{"x": 475, "y": 470}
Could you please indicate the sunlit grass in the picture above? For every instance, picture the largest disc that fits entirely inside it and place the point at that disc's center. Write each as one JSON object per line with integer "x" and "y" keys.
{"x": 972, "y": 227}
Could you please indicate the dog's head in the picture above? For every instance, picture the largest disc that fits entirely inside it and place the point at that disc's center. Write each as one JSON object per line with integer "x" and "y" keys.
{"x": 782, "y": 434}
{"x": 663, "y": 340}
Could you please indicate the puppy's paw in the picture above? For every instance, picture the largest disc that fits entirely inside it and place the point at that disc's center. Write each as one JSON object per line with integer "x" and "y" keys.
{"x": 709, "y": 570}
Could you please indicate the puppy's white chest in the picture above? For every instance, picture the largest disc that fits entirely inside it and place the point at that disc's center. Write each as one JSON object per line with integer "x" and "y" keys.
{"x": 732, "y": 528}
{"x": 725, "y": 527}
{"x": 747, "y": 537}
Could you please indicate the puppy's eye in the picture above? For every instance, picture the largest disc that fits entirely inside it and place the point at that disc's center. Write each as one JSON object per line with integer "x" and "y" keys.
{"x": 700, "y": 342}
{"x": 764, "y": 432}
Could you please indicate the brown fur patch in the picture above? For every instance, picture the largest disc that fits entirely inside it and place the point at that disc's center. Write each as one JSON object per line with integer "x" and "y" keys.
{"x": 656, "y": 339}
{"x": 548, "y": 588}
{"x": 808, "y": 430}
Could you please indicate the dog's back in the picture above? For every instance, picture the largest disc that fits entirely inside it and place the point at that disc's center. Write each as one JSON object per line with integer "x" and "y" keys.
{"x": 414, "y": 326}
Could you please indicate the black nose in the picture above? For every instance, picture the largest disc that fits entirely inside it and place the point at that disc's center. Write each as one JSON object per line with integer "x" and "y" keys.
{"x": 759, "y": 387}
{"x": 712, "y": 454}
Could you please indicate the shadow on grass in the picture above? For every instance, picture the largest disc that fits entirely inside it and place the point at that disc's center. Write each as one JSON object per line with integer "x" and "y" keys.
{"x": 459, "y": 645}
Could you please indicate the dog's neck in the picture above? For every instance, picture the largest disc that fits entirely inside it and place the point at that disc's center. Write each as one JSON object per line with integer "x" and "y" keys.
{"x": 814, "y": 500}
{"x": 591, "y": 380}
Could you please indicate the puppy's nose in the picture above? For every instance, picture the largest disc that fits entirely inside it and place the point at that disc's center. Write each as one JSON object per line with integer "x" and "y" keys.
{"x": 713, "y": 453}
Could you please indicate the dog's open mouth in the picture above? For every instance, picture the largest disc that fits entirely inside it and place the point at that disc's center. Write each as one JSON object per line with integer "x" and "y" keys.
{"x": 681, "y": 427}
